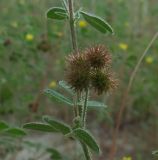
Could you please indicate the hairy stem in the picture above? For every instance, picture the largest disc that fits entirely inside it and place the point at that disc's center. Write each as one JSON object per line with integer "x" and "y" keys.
{"x": 75, "y": 109}
{"x": 72, "y": 27}
{"x": 84, "y": 112}
{"x": 74, "y": 46}
{"x": 75, "y": 49}
{"x": 81, "y": 106}
{"x": 86, "y": 152}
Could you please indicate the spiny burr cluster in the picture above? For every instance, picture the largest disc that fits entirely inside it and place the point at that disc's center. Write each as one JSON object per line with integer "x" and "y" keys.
{"x": 90, "y": 69}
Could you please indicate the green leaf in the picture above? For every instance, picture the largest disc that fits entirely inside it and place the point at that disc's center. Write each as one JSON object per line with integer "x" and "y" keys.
{"x": 57, "y": 13}
{"x": 65, "y": 4}
{"x": 55, "y": 155}
{"x": 64, "y": 85}
{"x": 86, "y": 138}
{"x": 3, "y": 125}
{"x": 97, "y": 22}
{"x": 77, "y": 14}
{"x": 58, "y": 97}
{"x": 59, "y": 126}
{"x": 39, "y": 127}
{"x": 94, "y": 105}
{"x": 15, "y": 132}
{"x": 155, "y": 153}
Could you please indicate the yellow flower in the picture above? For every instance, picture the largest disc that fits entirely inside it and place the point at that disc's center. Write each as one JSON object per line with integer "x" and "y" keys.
{"x": 127, "y": 158}
{"x": 82, "y": 24}
{"x": 29, "y": 37}
{"x": 14, "y": 24}
{"x": 149, "y": 60}
{"x": 123, "y": 46}
{"x": 53, "y": 84}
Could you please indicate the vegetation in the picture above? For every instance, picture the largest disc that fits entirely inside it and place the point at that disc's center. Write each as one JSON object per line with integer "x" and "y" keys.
{"x": 103, "y": 71}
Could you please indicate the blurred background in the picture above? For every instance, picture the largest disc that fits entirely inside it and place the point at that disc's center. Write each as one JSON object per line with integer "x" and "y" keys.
{"x": 32, "y": 58}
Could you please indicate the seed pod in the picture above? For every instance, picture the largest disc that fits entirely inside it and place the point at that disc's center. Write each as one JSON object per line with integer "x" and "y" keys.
{"x": 98, "y": 57}
{"x": 78, "y": 72}
{"x": 102, "y": 81}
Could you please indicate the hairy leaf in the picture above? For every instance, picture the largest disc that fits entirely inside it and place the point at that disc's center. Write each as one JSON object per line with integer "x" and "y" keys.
{"x": 55, "y": 155}
{"x": 65, "y": 4}
{"x": 57, "y": 13}
{"x": 94, "y": 105}
{"x": 59, "y": 126}
{"x": 58, "y": 97}
{"x": 155, "y": 153}
{"x": 39, "y": 127}
{"x": 97, "y": 22}
{"x": 15, "y": 132}
{"x": 3, "y": 125}
{"x": 64, "y": 85}
{"x": 86, "y": 138}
